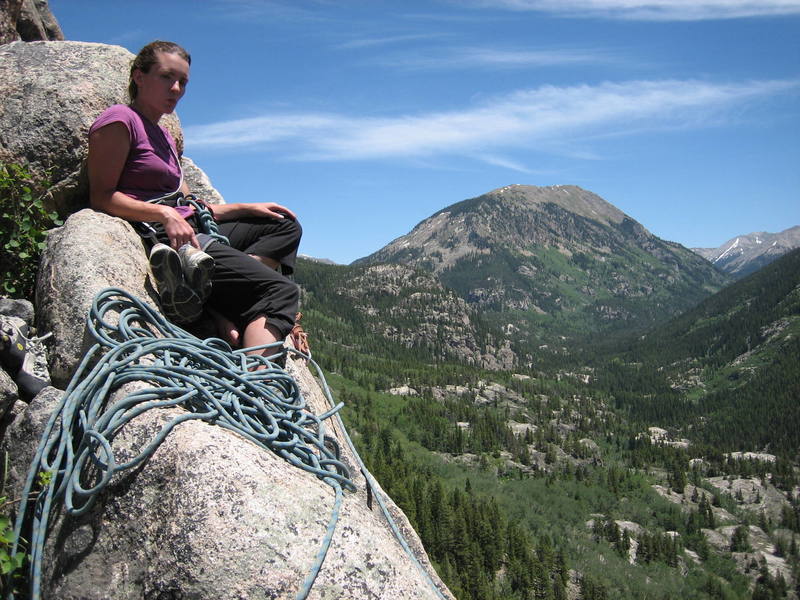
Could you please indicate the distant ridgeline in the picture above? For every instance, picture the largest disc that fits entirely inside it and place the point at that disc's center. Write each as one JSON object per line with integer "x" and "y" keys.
{"x": 746, "y": 254}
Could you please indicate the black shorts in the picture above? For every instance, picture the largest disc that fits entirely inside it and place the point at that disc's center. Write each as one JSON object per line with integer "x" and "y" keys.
{"x": 244, "y": 288}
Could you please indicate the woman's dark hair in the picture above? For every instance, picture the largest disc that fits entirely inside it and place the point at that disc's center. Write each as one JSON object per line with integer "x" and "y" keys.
{"x": 147, "y": 58}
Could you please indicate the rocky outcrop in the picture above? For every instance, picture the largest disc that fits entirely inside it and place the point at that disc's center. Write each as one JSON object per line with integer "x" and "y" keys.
{"x": 90, "y": 252}
{"x": 414, "y": 309}
{"x": 210, "y": 515}
{"x": 27, "y": 20}
{"x": 50, "y": 94}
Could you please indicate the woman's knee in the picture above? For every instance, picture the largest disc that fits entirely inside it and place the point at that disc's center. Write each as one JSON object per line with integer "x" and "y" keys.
{"x": 281, "y": 292}
{"x": 293, "y": 226}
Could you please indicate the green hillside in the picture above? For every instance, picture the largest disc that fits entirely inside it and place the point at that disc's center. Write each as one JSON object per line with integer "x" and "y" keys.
{"x": 728, "y": 370}
{"x": 545, "y": 479}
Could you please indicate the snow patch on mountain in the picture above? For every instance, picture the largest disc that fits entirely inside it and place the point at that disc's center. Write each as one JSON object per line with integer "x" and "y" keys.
{"x": 745, "y": 254}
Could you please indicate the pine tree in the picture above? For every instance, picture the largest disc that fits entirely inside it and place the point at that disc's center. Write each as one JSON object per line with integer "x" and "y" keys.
{"x": 624, "y": 545}
{"x": 740, "y": 541}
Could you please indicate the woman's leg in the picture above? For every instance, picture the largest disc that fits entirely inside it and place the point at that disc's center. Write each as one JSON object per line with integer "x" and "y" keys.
{"x": 266, "y": 260}
{"x": 259, "y": 332}
{"x": 226, "y": 329}
{"x": 240, "y": 289}
{"x": 260, "y": 302}
{"x": 272, "y": 241}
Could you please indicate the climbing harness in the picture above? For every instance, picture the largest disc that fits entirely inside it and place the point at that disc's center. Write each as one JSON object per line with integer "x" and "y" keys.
{"x": 190, "y": 207}
{"x": 248, "y": 394}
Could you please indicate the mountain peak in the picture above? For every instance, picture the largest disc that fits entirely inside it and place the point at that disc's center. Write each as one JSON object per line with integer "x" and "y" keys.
{"x": 558, "y": 252}
{"x": 513, "y": 216}
{"x": 745, "y": 254}
{"x": 569, "y": 197}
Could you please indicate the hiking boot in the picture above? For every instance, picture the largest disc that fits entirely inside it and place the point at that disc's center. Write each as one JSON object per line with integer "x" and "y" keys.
{"x": 32, "y": 376}
{"x": 182, "y": 305}
{"x": 23, "y": 357}
{"x": 13, "y": 343}
{"x": 178, "y": 301}
{"x": 166, "y": 266}
{"x": 198, "y": 269}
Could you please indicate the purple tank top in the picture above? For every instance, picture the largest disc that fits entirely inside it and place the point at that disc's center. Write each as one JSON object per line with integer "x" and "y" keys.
{"x": 152, "y": 167}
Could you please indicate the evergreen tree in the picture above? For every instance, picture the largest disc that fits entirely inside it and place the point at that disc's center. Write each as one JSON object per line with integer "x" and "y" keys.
{"x": 740, "y": 541}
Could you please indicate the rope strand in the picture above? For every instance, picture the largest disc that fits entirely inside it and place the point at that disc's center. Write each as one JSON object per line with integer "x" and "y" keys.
{"x": 248, "y": 394}
{"x": 205, "y": 377}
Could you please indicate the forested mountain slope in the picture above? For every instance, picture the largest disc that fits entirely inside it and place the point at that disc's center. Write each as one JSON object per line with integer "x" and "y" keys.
{"x": 730, "y": 367}
{"x": 553, "y": 482}
{"x": 577, "y": 466}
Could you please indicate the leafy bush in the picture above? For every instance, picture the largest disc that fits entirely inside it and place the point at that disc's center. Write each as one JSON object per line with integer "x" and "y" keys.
{"x": 10, "y": 564}
{"x": 24, "y": 221}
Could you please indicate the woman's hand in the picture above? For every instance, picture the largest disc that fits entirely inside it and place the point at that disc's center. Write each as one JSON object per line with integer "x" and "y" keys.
{"x": 272, "y": 210}
{"x": 178, "y": 230}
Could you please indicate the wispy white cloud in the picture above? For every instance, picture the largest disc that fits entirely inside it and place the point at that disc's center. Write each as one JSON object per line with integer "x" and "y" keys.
{"x": 503, "y": 162}
{"x": 652, "y": 10}
{"x": 536, "y": 119}
{"x": 133, "y": 37}
{"x": 268, "y": 10}
{"x": 495, "y": 58}
{"x": 370, "y": 42}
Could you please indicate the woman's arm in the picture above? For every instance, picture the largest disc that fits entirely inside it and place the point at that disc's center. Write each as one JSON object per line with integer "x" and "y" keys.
{"x": 229, "y": 212}
{"x": 108, "y": 150}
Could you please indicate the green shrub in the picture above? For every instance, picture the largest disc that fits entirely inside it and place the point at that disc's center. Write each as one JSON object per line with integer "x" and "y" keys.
{"x": 24, "y": 221}
{"x": 10, "y": 564}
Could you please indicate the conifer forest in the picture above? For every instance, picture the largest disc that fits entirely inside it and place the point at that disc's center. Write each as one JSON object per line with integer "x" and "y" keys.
{"x": 658, "y": 462}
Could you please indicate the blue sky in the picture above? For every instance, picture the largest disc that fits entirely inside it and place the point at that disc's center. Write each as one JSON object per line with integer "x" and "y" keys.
{"x": 367, "y": 116}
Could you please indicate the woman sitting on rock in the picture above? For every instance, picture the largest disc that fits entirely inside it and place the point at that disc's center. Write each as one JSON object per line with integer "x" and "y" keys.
{"x": 135, "y": 174}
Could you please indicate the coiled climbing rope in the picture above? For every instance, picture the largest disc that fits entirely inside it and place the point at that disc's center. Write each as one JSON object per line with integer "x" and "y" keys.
{"x": 248, "y": 394}
{"x": 245, "y": 393}
{"x": 205, "y": 219}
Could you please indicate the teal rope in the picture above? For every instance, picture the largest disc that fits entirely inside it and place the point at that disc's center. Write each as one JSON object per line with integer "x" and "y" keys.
{"x": 205, "y": 219}
{"x": 373, "y": 485}
{"x": 208, "y": 225}
{"x": 212, "y": 382}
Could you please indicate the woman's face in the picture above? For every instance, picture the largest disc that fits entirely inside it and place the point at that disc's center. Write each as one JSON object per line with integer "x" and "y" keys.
{"x": 159, "y": 90}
